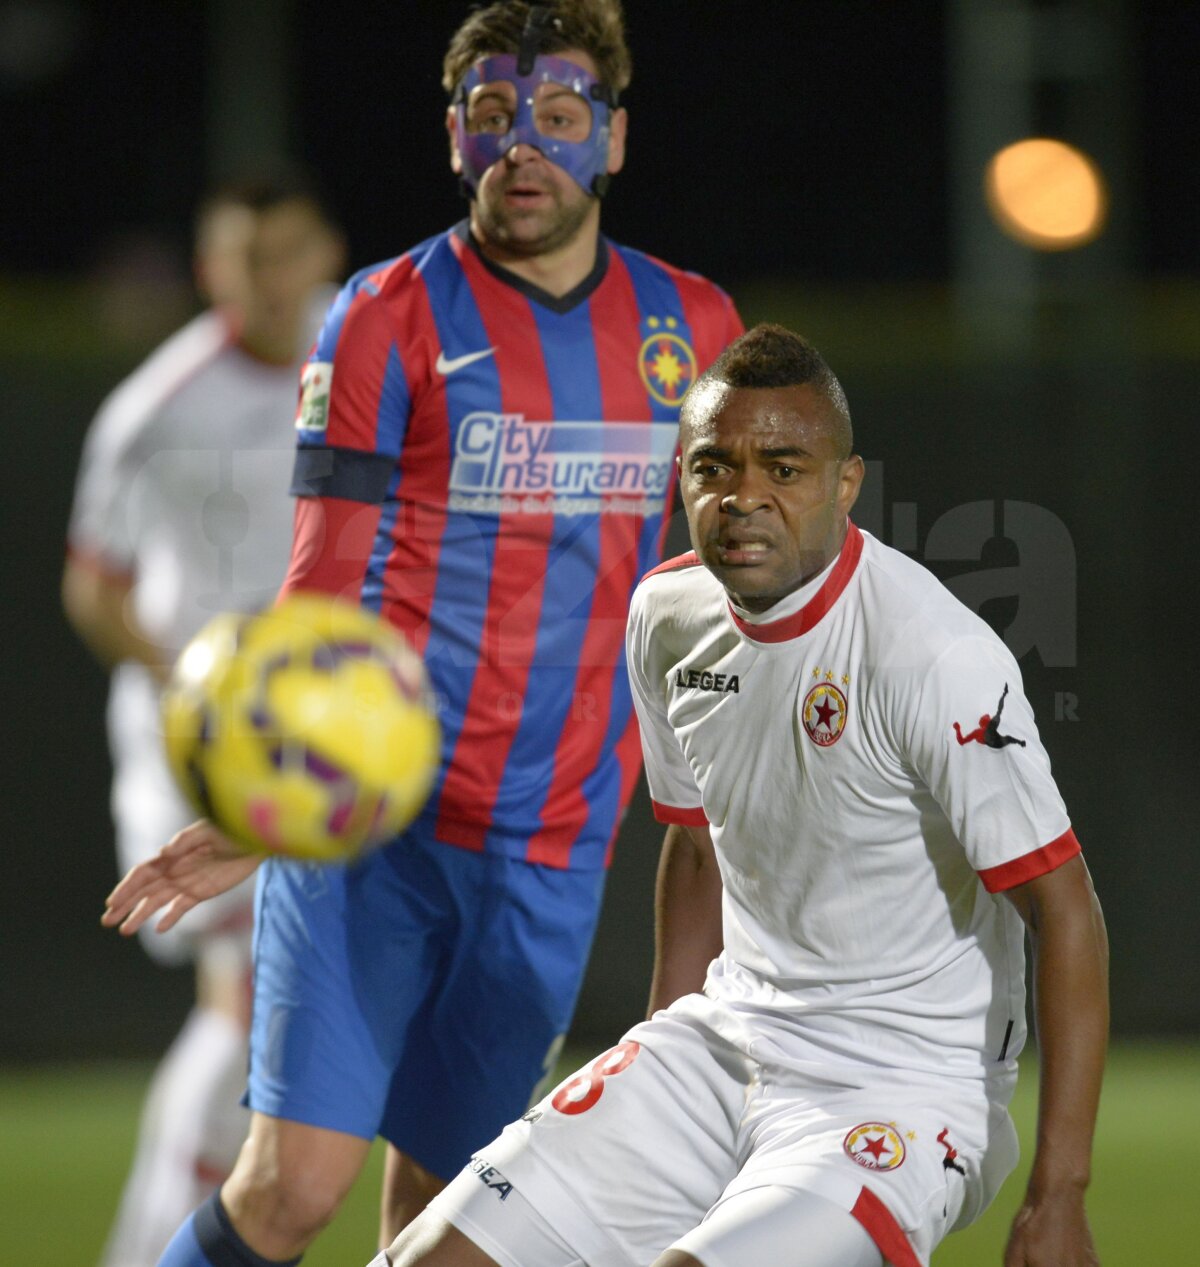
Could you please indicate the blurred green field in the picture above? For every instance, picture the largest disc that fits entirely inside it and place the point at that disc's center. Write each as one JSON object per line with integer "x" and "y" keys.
{"x": 66, "y": 1134}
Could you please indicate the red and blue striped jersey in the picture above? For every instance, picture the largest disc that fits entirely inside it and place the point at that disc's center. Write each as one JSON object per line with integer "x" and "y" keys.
{"x": 491, "y": 468}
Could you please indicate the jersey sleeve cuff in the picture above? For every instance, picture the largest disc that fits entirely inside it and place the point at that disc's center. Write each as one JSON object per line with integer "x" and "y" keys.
{"x": 95, "y": 561}
{"x": 1031, "y": 865}
{"x": 674, "y": 814}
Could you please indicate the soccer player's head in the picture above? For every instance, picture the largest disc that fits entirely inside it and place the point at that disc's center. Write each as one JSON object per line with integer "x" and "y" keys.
{"x": 766, "y": 465}
{"x": 262, "y": 247}
{"x": 535, "y": 129}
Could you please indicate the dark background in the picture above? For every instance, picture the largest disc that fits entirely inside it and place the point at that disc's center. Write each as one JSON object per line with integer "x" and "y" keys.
{"x": 820, "y": 160}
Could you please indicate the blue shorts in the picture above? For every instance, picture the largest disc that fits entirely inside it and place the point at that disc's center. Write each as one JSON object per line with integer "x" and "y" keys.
{"x": 420, "y": 994}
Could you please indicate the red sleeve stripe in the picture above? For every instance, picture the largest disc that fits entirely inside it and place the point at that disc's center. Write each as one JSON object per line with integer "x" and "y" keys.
{"x": 881, "y": 1226}
{"x": 674, "y": 814}
{"x": 1031, "y": 865}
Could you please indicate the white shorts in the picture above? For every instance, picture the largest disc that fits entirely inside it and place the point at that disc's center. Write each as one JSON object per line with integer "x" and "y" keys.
{"x": 654, "y": 1143}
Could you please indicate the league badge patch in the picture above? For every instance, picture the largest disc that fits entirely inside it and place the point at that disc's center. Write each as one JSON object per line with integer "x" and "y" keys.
{"x": 825, "y": 709}
{"x": 875, "y": 1145}
{"x": 315, "y": 382}
{"x": 666, "y": 362}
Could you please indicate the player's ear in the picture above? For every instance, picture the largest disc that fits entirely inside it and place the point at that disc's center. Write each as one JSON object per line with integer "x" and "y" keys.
{"x": 456, "y": 165}
{"x": 618, "y": 129}
{"x": 850, "y": 478}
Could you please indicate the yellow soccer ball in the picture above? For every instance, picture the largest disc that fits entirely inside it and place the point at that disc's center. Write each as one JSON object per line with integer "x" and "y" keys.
{"x": 305, "y": 730}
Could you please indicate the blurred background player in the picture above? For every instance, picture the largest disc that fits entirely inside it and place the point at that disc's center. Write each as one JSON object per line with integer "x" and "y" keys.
{"x": 181, "y": 510}
{"x": 486, "y": 442}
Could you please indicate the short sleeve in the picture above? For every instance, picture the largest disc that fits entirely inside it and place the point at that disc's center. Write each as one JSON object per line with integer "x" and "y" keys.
{"x": 354, "y": 402}
{"x": 673, "y": 791}
{"x": 99, "y": 530}
{"x": 972, "y": 738}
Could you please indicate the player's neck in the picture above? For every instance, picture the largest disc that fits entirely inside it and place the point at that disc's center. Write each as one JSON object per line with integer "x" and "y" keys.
{"x": 269, "y": 349}
{"x": 556, "y": 272}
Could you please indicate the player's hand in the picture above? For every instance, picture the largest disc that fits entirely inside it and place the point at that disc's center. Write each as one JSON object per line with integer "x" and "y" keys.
{"x": 197, "y": 863}
{"x": 1051, "y": 1232}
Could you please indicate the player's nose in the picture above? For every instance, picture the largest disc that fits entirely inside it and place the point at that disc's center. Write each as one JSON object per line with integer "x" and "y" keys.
{"x": 746, "y": 494}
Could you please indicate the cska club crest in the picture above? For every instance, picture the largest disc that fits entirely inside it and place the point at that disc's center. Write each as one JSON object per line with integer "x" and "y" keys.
{"x": 875, "y": 1145}
{"x": 666, "y": 361}
{"x": 825, "y": 709}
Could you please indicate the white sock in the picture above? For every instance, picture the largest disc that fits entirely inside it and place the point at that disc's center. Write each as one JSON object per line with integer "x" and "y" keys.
{"x": 191, "y": 1130}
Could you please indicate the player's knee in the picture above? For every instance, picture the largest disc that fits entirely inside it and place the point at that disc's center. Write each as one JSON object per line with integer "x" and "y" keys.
{"x": 277, "y": 1200}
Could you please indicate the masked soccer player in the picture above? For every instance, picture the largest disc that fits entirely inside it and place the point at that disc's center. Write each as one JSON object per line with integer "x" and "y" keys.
{"x": 178, "y": 515}
{"x": 486, "y": 436}
{"x": 843, "y": 901}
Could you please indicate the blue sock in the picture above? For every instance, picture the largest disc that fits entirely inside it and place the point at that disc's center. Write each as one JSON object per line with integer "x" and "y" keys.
{"x": 208, "y": 1239}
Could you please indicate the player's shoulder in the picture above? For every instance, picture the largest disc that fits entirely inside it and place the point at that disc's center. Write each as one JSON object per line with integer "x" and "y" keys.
{"x": 170, "y": 369}
{"x": 691, "y": 285}
{"x": 679, "y": 588}
{"x": 910, "y": 614}
{"x": 377, "y": 297}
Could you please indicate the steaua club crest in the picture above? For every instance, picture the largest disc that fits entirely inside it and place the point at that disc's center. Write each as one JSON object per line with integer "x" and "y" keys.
{"x": 875, "y": 1145}
{"x": 824, "y": 711}
{"x": 666, "y": 362}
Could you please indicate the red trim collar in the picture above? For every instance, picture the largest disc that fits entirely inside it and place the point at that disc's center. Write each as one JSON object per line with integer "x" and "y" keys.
{"x": 788, "y": 627}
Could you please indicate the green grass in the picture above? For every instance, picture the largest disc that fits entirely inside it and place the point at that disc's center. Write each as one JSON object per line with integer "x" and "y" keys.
{"x": 66, "y": 1136}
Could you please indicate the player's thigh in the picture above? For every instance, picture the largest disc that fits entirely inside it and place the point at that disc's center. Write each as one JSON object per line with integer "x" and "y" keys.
{"x": 778, "y": 1225}
{"x": 345, "y": 957}
{"x": 484, "y": 1231}
{"x": 623, "y": 1157}
{"x": 494, "y": 1029}
{"x": 907, "y": 1161}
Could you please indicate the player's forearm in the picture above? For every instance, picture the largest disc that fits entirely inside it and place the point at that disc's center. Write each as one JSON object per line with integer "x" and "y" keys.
{"x": 99, "y": 610}
{"x": 1070, "y": 948}
{"x": 687, "y": 915}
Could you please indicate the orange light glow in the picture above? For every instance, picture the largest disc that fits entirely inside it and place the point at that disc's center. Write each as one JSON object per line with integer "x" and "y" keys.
{"x": 1046, "y": 194}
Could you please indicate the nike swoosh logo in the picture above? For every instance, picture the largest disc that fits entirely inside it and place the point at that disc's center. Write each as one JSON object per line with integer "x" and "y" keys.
{"x": 446, "y": 365}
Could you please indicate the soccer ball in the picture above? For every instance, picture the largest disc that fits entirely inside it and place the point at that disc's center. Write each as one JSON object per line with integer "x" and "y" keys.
{"x": 305, "y": 730}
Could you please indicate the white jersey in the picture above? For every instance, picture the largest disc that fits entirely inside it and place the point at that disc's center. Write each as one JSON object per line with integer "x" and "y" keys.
{"x": 871, "y": 773}
{"x": 183, "y": 488}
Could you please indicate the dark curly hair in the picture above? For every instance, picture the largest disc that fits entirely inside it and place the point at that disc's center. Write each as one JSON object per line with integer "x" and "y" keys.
{"x": 772, "y": 356}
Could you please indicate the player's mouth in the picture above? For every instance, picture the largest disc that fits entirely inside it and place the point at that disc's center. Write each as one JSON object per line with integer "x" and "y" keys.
{"x": 738, "y": 551}
{"x": 526, "y": 194}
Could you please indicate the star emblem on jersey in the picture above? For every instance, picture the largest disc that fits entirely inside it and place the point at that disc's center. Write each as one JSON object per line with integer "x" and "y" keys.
{"x": 666, "y": 362}
{"x": 824, "y": 710}
{"x": 315, "y": 381}
{"x": 875, "y": 1145}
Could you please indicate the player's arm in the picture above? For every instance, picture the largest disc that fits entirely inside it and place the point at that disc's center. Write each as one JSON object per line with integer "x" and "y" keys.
{"x": 197, "y": 863}
{"x": 99, "y": 608}
{"x": 1070, "y": 979}
{"x": 687, "y": 915}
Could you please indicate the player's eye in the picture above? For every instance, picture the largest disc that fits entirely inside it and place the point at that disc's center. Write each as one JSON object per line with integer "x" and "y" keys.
{"x": 497, "y": 121}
